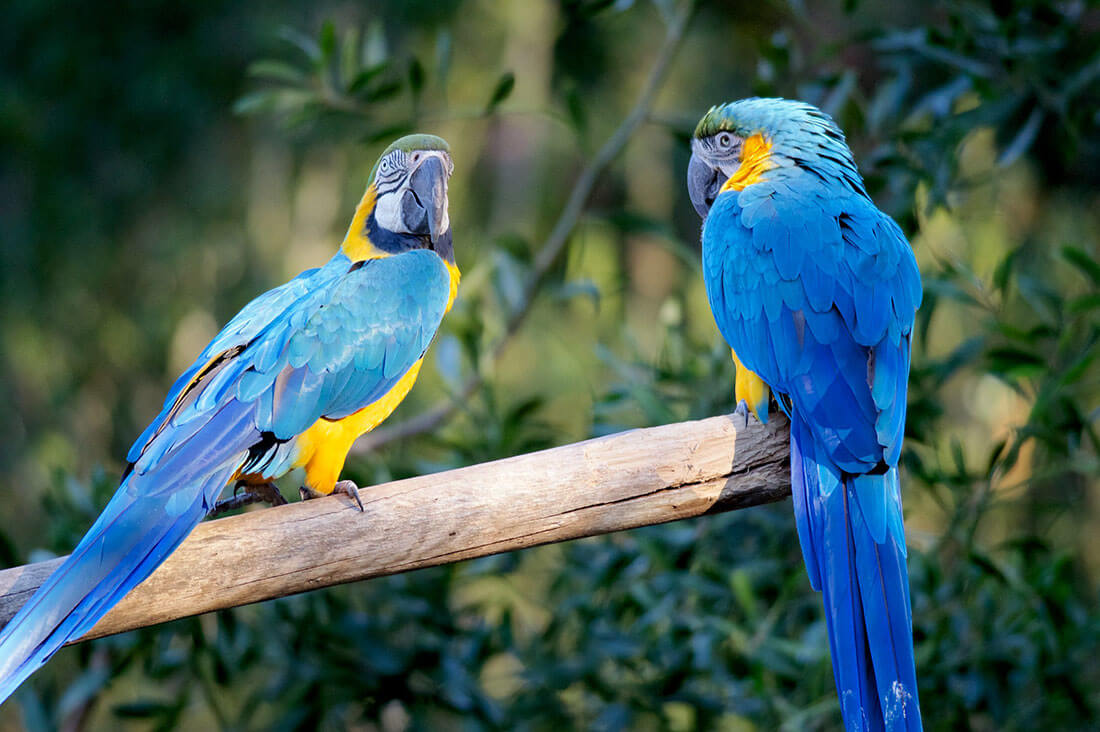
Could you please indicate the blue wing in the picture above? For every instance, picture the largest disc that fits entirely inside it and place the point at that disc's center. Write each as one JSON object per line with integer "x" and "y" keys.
{"x": 325, "y": 344}
{"x": 816, "y": 292}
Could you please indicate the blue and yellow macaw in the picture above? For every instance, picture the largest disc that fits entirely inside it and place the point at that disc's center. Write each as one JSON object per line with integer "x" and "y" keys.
{"x": 815, "y": 290}
{"x": 291, "y": 381}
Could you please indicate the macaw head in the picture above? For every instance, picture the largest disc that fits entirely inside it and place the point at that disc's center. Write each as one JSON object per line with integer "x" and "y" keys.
{"x": 736, "y": 144}
{"x": 405, "y": 206}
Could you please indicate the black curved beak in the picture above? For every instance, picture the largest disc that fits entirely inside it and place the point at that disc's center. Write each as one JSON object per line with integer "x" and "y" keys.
{"x": 424, "y": 206}
{"x": 704, "y": 183}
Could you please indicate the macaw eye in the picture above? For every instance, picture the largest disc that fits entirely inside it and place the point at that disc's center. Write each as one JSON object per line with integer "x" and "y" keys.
{"x": 725, "y": 140}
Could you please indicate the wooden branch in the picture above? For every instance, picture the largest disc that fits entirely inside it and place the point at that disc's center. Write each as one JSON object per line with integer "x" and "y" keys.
{"x": 622, "y": 481}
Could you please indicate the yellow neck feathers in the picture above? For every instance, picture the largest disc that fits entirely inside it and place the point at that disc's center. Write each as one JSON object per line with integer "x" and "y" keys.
{"x": 455, "y": 277}
{"x": 755, "y": 161}
{"x": 356, "y": 245}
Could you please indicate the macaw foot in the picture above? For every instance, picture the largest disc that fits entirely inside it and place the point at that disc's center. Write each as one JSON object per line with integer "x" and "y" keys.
{"x": 743, "y": 410}
{"x": 256, "y": 493}
{"x": 347, "y": 487}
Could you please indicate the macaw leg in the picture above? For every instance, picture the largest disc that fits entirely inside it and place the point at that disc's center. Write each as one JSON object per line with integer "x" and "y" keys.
{"x": 743, "y": 410}
{"x": 751, "y": 393}
{"x": 256, "y": 493}
{"x": 347, "y": 487}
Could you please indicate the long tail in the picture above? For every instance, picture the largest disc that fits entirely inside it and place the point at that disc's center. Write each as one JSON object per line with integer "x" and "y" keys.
{"x": 853, "y": 541}
{"x": 148, "y": 517}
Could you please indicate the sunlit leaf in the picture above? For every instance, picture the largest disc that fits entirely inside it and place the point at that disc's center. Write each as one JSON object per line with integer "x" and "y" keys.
{"x": 272, "y": 70}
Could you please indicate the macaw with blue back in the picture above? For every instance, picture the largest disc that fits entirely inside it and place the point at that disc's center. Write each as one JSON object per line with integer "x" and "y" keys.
{"x": 815, "y": 290}
{"x": 290, "y": 382}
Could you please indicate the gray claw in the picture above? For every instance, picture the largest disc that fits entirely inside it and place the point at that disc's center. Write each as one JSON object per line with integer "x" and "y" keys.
{"x": 743, "y": 410}
{"x": 347, "y": 487}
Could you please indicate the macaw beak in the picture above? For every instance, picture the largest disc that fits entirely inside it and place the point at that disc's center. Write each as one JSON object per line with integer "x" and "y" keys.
{"x": 424, "y": 204}
{"x": 704, "y": 183}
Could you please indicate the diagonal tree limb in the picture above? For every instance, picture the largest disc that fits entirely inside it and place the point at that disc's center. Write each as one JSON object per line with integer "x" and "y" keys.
{"x": 636, "y": 478}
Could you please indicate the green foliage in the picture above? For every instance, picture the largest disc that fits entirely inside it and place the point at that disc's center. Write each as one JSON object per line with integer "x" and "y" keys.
{"x": 143, "y": 211}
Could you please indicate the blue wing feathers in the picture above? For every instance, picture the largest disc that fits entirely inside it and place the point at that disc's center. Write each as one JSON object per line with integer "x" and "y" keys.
{"x": 328, "y": 343}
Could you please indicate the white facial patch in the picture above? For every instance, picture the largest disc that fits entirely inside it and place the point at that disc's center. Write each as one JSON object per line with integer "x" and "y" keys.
{"x": 387, "y": 208}
{"x": 394, "y": 180}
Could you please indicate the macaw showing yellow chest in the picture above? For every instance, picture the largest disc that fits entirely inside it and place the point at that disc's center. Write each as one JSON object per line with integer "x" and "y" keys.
{"x": 291, "y": 381}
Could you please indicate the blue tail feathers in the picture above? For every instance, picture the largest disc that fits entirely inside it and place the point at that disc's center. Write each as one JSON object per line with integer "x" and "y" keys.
{"x": 129, "y": 540}
{"x": 149, "y": 516}
{"x": 864, "y": 582}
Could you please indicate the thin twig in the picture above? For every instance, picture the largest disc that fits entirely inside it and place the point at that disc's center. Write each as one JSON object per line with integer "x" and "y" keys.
{"x": 554, "y": 246}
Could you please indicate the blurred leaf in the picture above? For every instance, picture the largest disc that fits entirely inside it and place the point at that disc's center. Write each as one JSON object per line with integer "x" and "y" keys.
{"x": 383, "y": 91}
{"x": 501, "y": 91}
{"x": 1023, "y": 139}
{"x": 416, "y": 76}
{"x": 364, "y": 77}
{"x": 579, "y": 288}
{"x": 1083, "y": 304}
{"x": 448, "y": 361}
{"x": 578, "y": 117}
{"x": 1082, "y": 261}
{"x": 303, "y": 43}
{"x": 508, "y": 277}
{"x": 272, "y": 70}
{"x": 350, "y": 55}
{"x": 444, "y": 50}
{"x": 327, "y": 43}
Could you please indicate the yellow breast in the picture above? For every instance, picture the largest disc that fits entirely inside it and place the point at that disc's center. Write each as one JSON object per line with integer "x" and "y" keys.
{"x": 323, "y": 448}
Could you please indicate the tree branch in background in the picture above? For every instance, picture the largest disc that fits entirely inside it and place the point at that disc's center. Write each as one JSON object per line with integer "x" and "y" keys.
{"x": 554, "y": 246}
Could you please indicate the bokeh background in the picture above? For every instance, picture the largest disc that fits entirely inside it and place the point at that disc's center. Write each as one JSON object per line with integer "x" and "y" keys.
{"x": 161, "y": 163}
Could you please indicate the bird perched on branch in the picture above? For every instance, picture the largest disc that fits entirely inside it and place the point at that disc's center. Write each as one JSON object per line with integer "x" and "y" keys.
{"x": 291, "y": 381}
{"x": 815, "y": 290}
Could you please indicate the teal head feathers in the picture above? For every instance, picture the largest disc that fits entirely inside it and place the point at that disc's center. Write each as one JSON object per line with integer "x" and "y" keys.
{"x": 736, "y": 144}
